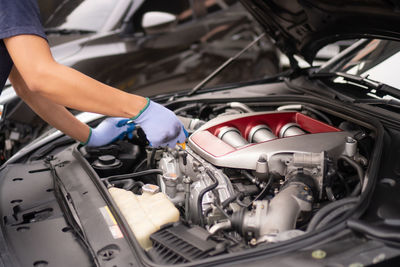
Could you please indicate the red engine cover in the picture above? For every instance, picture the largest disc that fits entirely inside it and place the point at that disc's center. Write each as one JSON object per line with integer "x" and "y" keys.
{"x": 207, "y": 138}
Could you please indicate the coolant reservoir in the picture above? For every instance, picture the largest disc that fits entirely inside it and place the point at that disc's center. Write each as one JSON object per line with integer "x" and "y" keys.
{"x": 145, "y": 213}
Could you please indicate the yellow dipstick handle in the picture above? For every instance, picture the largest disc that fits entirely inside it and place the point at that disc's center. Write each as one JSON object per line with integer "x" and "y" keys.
{"x": 182, "y": 145}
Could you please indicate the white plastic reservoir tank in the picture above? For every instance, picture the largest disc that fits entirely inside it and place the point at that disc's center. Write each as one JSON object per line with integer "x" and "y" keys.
{"x": 144, "y": 213}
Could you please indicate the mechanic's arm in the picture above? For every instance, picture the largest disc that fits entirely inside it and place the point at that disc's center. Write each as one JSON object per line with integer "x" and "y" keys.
{"x": 54, "y": 114}
{"x": 59, "y": 117}
{"x": 65, "y": 86}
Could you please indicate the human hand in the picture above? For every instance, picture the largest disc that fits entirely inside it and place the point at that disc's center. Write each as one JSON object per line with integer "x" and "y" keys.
{"x": 161, "y": 126}
{"x": 110, "y": 130}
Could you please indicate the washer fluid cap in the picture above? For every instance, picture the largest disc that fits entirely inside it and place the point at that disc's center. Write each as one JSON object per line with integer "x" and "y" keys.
{"x": 107, "y": 159}
{"x": 106, "y": 162}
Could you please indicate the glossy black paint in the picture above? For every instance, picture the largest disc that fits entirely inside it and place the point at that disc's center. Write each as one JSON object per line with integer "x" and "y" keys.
{"x": 123, "y": 55}
{"x": 303, "y": 27}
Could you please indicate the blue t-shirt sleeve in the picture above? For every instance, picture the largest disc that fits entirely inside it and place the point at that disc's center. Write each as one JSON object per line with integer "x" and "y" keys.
{"x": 5, "y": 65}
{"x": 16, "y": 17}
{"x": 20, "y": 17}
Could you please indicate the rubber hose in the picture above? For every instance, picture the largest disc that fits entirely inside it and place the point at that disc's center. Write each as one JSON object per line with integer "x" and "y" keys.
{"x": 322, "y": 115}
{"x": 334, "y": 214}
{"x": 135, "y": 183}
{"x": 360, "y": 173}
{"x": 326, "y": 210}
{"x": 374, "y": 231}
{"x": 229, "y": 200}
{"x": 132, "y": 175}
{"x": 202, "y": 193}
{"x": 239, "y": 202}
{"x": 250, "y": 177}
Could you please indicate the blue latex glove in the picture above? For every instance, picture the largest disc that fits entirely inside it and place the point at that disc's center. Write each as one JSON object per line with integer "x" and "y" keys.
{"x": 161, "y": 126}
{"x": 110, "y": 130}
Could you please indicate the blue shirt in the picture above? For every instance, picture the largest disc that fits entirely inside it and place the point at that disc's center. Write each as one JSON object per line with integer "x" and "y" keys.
{"x": 16, "y": 17}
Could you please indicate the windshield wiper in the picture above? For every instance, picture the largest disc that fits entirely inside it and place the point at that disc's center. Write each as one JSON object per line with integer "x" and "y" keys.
{"x": 62, "y": 31}
{"x": 377, "y": 88}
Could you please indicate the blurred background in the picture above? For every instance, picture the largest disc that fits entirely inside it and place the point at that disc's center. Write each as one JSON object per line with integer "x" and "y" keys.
{"x": 150, "y": 48}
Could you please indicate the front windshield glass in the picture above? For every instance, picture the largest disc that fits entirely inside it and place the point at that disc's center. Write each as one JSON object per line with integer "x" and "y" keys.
{"x": 378, "y": 60}
{"x": 88, "y": 15}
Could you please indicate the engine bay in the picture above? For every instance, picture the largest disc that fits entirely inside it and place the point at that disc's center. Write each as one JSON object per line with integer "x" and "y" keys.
{"x": 250, "y": 175}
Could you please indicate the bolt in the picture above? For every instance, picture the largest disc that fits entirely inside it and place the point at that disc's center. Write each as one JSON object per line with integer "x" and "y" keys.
{"x": 253, "y": 242}
{"x": 318, "y": 254}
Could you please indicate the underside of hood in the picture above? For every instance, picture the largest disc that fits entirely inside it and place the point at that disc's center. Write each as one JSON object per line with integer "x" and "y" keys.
{"x": 302, "y": 27}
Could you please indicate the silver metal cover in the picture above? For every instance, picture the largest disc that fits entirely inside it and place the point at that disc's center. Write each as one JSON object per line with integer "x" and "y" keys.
{"x": 246, "y": 157}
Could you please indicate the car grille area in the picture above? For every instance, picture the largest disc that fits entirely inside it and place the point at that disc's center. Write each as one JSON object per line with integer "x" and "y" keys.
{"x": 180, "y": 244}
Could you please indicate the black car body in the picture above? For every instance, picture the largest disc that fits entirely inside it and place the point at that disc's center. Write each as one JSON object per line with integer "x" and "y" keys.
{"x": 107, "y": 41}
{"x": 300, "y": 169}
{"x": 113, "y": 46}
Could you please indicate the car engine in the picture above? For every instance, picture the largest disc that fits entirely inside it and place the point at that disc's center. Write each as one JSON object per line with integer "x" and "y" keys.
{"x": 245, "y": 178}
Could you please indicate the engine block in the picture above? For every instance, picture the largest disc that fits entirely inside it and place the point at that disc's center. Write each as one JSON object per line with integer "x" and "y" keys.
{"x": 315, "y": 137}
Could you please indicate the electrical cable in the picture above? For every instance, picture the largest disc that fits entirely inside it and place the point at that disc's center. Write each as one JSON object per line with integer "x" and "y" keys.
{"x": 140, "y": 165}
{"x": 150, "y": 163}
{"x": 263, "y": 192}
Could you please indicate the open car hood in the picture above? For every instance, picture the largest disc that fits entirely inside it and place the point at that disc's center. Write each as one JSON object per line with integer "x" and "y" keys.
{"x": 303, "y": 27}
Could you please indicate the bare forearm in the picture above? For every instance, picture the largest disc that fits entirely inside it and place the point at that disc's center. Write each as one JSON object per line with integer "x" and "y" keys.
{"x": 65, "y": 86}
{"x": 70, "y": 88}
{"x": 54, "y": 114}
{"x": 59, "y": 117}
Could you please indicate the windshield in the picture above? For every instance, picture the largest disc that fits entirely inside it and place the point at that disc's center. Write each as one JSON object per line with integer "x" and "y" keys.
{"x": 88, "y": 15}
{"x": 377, "y": 60}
